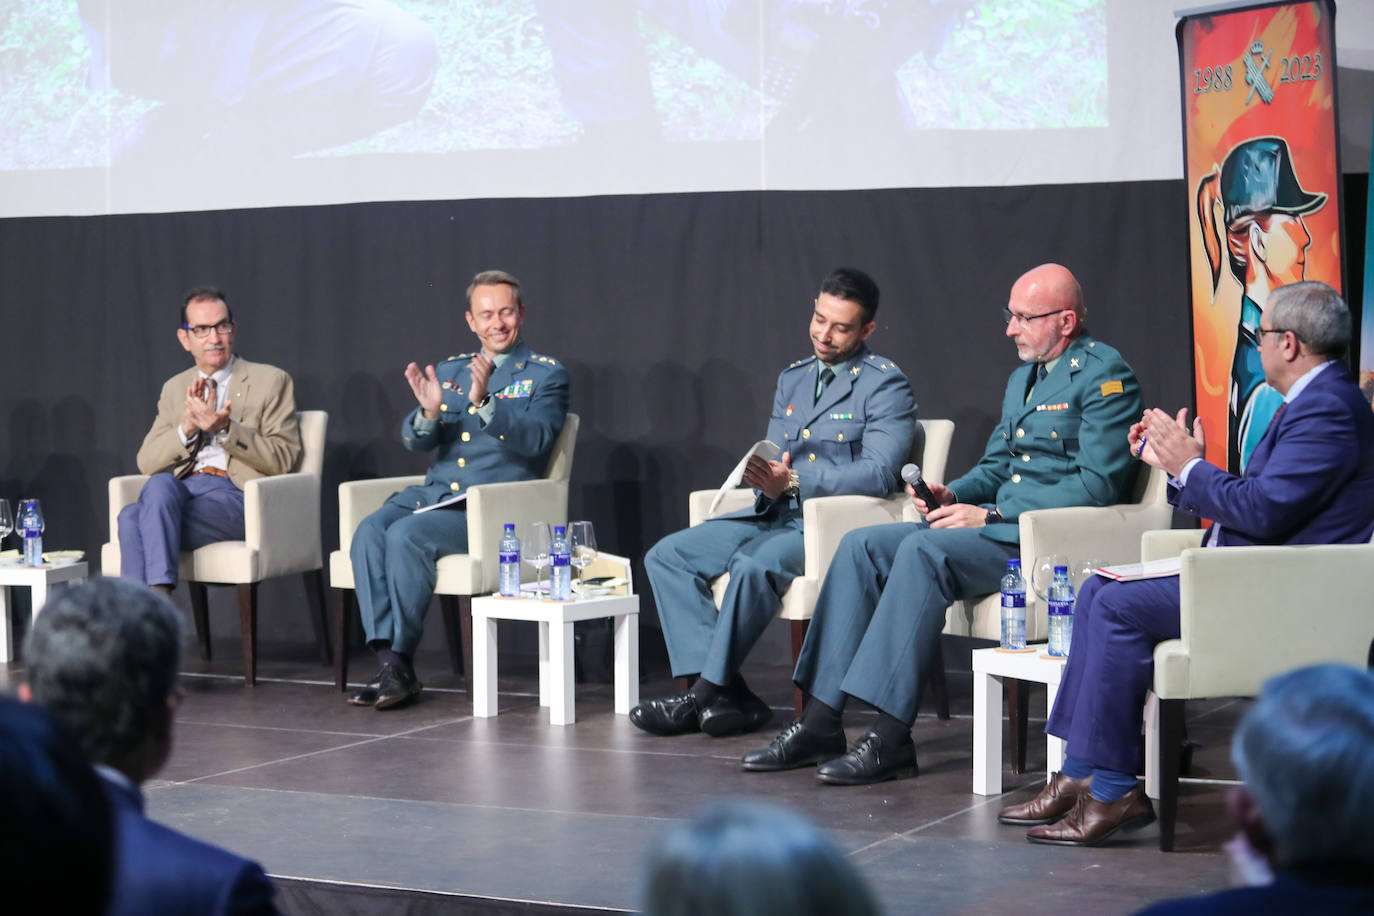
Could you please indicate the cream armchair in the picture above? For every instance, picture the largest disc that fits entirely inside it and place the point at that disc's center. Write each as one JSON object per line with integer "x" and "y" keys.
{"x": 281, "y": 520}
{"x": 460, "y": 575}
{"x": 1246, "y": 614}
{"x": 825, "y": 521}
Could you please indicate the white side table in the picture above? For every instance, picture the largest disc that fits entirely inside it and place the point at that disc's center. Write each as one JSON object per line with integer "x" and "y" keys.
{"x": 37, "y": 581}
{"x": 990, "y": 666}
{"x": 555, "y": 619}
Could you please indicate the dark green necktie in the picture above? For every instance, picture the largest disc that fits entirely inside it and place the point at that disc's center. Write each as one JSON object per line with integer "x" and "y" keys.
{"x": 826, "y": 375}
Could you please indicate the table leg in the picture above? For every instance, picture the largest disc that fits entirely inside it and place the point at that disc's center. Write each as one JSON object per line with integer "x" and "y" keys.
{"x": 987, "y": 734}
{"x": 544, "y": 669}
{"x": 483, "y": 666}
{"x": 39, "y": 597}
{"x": 562, "y": 694}
{"x": 626, "y": 663}
{"x": 6, "y": 647}
{"x": 1054, "y": 747}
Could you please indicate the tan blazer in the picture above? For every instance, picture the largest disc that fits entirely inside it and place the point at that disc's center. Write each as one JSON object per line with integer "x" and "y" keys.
{"x": 262, "y": 439}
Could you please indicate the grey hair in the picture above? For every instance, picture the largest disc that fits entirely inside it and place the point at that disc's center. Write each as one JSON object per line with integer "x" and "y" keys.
{"x": 1314, "y": 312}
{"x": 1306, "y": 752}
{"x": 102, "y": 657}
{"x": 492, "y": 277}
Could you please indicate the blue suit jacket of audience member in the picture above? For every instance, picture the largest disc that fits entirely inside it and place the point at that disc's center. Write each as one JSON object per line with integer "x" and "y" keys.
{"x": 529, "y": 392}
{"x": 853, "y": 440}
{"x": 1293, "y": 893}
{"x": 158, "y": 870}
{"x": 1309, "y": 481}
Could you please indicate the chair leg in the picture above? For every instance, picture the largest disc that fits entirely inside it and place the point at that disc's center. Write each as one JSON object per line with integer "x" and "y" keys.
{"x": 248, "y": 626}
{"x": 1018, "y": 703}
{"x": 200, "y": 612}
{"x": 452, "y": 632}
{"x": 935, "y": 683}
{"x": 319, "y": 620}
{"x": 1170, "y": 738}
{"x": 343, "y": 611}
{"x": 799, "y": 628}
{"x": 465, "y": 624}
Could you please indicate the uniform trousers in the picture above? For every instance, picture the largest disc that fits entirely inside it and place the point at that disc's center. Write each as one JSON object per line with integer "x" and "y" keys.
{"x": 1116, "y": 626}
{"x": 173, "y": 515}
{"x": 762, "y": 556}
{"x": 882, "y": 607}
{"x": 393, "y": 555}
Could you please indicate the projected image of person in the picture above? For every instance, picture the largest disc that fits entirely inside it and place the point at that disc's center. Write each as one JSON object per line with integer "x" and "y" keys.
{"x": 1265, "y": 239}
{"x": 258, "y": 78}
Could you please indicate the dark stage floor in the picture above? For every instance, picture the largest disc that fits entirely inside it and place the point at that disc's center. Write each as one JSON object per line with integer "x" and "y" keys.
{"x": 512, "y": 814}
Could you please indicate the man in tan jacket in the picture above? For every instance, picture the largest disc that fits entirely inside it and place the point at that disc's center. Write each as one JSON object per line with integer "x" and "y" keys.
{"x": 219, "y": 425}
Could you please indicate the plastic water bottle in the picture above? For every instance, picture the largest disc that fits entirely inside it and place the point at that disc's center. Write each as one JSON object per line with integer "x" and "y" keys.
{"x": 510, "y": 563}
{"x": 560, "y": 560}
{"x": 1061, "y": 613}
{"x": 1013, "y": 607}
{"x": 30, "y": 524}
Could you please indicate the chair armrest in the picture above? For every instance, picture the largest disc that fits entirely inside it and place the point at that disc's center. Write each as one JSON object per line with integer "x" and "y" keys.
{"x": 1161, "y": 545}
{"x": 281, "y": 521}
{"x": 490, "y": 506}
{"x": 1108, "y": 534}
{"x": 1248, "y": 613}
{"x": 827, "y": 519}
{"x": 699, "y": 501}
{"x": 123, "y": 491}
{"x": 360, "y": 498}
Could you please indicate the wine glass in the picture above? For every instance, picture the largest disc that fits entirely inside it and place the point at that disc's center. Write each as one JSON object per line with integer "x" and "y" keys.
{"x": 583, "y": 540}
{"x": 1082, "y": 572}
{"x": 1042, "y": 575}
{"x": 536, "y": 551}
{"x": 6, "y": 521}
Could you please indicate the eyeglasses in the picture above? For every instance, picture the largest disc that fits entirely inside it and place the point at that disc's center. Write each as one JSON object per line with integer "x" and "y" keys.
{"x": 1024, "y": 321}
{"x": 202, "y": 331}
{"x": 1259, "y": 334}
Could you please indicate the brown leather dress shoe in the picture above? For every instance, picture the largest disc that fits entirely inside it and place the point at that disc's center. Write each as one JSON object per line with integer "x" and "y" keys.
{"x": 1054, "y": 801}
{"x": 1091, "y": 821}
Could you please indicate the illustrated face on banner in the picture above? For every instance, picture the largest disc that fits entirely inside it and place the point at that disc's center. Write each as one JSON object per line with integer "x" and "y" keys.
{"x": 1260, "y": 142}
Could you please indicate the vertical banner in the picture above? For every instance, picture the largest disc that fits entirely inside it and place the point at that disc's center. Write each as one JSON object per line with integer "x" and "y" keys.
{"x": 1366, "y": 363}
{"x": 1260, "y": 155}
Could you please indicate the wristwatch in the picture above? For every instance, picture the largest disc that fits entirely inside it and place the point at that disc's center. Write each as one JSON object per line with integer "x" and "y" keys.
{"x": 793, "y": 484}
{"x": 993, "y": 517}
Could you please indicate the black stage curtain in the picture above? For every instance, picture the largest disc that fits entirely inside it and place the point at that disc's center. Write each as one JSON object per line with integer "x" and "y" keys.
{"x": 673, "y": 313}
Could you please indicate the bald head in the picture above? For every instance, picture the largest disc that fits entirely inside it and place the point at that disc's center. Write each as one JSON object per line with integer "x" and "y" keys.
{"x": 1051, "y": 286}
{"x": 1045, "y": 312}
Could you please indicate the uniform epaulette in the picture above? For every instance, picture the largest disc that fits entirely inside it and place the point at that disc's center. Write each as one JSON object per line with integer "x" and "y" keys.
{"x": 461, "y": 356}
{"x": 881, "y": 362}
{"x": 801, "y": 362}
{"x": 541, "y": 358}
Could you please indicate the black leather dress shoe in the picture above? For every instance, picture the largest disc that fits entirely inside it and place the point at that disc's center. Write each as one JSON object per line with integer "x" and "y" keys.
{"x": 396, "y": 687}
{"x": 367, "y": 694}
{"x": 870, "y": 761}
{"x": 734, "y": 715}
{"x": 675, "y": 715}
{"x": 797, "y": 746}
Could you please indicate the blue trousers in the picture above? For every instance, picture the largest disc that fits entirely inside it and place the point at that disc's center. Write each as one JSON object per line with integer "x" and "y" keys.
{"x": 762, "y": 556}
{"x": 1116, "y": 626}
{"x": 882, "y": 607}
{"x": 393, "y": 555}
{"x": 173, "y": 515}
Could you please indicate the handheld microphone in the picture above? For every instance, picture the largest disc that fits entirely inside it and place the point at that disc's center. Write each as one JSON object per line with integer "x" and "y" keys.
{"x": 912, "y": 475}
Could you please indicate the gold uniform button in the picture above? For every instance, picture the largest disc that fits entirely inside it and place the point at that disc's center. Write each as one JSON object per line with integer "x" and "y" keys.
{"x": 839, "y": 437}
{"x": 1004, "y": 435}
{"x": 466, "y": 436}
{"x": 472, "y": 409}
{"x": 1015, "y": 478}
{"x": 1054, "y": 435}
{"x": 1023, "y": 457}
{"x": 806, "y": 434}
{"x": 443, "y": 407}
{"x": 455, "y": 486}
{"x": 462, "y": 462}
{"x": 1020, "y": 434}
{"x": 502, "y": 438}
{"x": 811, "y": 456}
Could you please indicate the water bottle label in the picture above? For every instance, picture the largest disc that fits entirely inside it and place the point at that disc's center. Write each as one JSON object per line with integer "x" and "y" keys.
{"x": 1059, "y": 607}
{"x": 1013, "y": 599}
{"x": 561, "y": 560}
{"x": 510, "y": 556}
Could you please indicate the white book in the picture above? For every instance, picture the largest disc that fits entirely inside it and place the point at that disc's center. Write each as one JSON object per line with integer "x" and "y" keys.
{"x": 1130, "y": 572}
{"x": 453, "y": 500}
{"x": 764, "y": 449}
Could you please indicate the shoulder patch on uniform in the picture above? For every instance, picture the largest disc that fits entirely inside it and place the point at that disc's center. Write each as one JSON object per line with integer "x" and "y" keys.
{"x": 881, "y": 362}
{"x": 541, "y": 358}
{"x": 801, "y": 362}
{"x": 461, "y": 356}
{"x": 1112, "y": 387}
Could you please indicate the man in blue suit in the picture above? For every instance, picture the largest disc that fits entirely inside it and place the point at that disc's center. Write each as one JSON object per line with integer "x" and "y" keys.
{"x": 490, "y": 416}
{"x": 882, "y": 606}
{"x": 1310, "y": 480}
{"x": 102, "y": 658}
{"x": 844, "y": 419}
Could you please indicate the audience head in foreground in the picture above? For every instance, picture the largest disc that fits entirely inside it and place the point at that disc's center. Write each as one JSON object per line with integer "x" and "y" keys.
{"x": 102, "y": 659}
{"x": 740, "y": 857}
{"x": 57, "y": 822}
